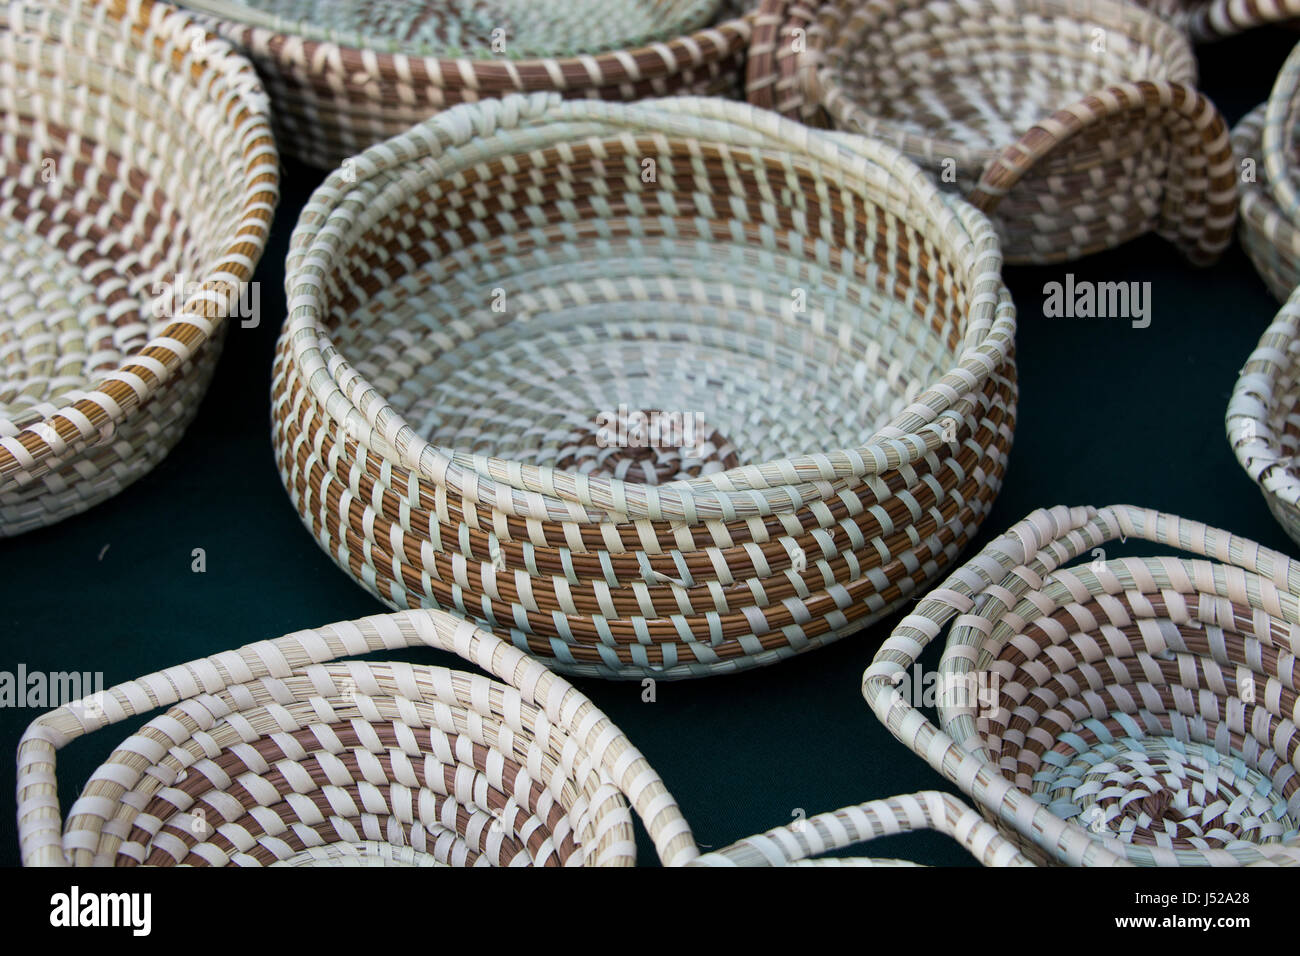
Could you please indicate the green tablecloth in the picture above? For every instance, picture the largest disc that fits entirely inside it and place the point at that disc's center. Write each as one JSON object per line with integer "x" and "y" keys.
{"x": 1108, "y": 413}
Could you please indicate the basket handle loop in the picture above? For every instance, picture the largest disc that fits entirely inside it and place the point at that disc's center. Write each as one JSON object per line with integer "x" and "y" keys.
{"x": 40, "y": 823}
{"x": 1199, "y": 219}
{"x": 1217, "y": 19}
{"x": 928, "y": 810}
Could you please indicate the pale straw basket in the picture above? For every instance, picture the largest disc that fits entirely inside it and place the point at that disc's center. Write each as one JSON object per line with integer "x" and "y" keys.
{"x": 473, "y": 302}
{"x": 349, "y": 74}
{"x": 1138, "y": 706}
{"x": 1075, "y": 123}
{"x": 136, "y": 151}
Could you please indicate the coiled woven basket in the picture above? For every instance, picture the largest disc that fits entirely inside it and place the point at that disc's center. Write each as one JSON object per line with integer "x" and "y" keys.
{"x": 1262, "y": 424}
{"x": 275, "y": 753}
{"x": 1075, "y": 123}
{"x": 279, "y": 754}
{"x": 486, "y": 311}
{"x": 347, "y": 75}
{"x": 1138, "y": 705}
{"x": 1265, "y": 145}
{"x": 129, "y": 163}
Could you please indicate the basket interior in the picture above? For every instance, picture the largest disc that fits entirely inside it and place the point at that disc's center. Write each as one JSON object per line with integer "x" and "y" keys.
{"x": 510, "y": 29}
{"x": 1141, "y": 708}
{"x": 388, "y": 763}
{"x": 569, "y": 313}
{"x": 975, "y": 76}
{"x": 116, "y": 191}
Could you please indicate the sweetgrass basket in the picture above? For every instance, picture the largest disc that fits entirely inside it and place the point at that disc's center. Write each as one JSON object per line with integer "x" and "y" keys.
{"x": 1265, "y": 145}
{"x": 1141, "y": 706}
{"x": 800, "y": 843}
{"x": 1075, "y": 123}
{"x": 131, "y": 163}
{"x": 278, "y": 753}
{"x": 1261, "y": 420}
{"x": 663, "y": 389}
{"x": 347, "y": 75}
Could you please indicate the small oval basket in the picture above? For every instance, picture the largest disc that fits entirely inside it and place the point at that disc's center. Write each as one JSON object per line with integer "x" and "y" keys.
{"x": 277, "y": 754}
{"x": 1262, "y": 424}
{"x": 354, "y": 74}
{"x": 1077, "y": 125}
{"x": 664, "y": 389}
{"x": 1266, "y": 149}
{"x": 1137, "y": 706}
{"x": 139, "y": 182}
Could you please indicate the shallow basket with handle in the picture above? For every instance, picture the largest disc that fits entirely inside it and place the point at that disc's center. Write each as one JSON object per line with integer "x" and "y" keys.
{"x": 1135, "y": 706}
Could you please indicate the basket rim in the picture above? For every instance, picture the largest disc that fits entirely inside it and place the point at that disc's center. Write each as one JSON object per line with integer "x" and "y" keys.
{"x": 1021, "y": 558}
{"x": 246, "y": 14}
{"x": 162, "y": 34}
{"x": 745, "y": 491}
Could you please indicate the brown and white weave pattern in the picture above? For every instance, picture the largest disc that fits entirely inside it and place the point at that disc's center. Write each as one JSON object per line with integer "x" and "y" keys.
{"x": 277, "y": 753}
{"x": 1075, "y": 123}
{"x": 136, "y": 151}
{"x": 336, "y": 97}
{"x": 841, "y": 327}
{"x": 1136, "y": 706}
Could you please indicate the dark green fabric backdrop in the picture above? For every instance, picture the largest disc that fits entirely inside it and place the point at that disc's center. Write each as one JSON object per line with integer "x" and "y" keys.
{"x": 1108, "y": 413}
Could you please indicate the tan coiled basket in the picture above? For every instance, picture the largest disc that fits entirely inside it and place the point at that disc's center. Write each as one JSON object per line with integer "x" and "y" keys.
{"x": 472, "y": 303}
{"x": 130, "y": 163}
{"x": 279, "y": 754}
{"x": 1075, "y": 123}
{"x": 1141, "y": 707}
{"x": 346, "y": 78}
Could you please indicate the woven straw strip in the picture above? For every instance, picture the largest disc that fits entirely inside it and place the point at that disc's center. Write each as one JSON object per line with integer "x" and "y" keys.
{"x": 1148, "y": 699}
